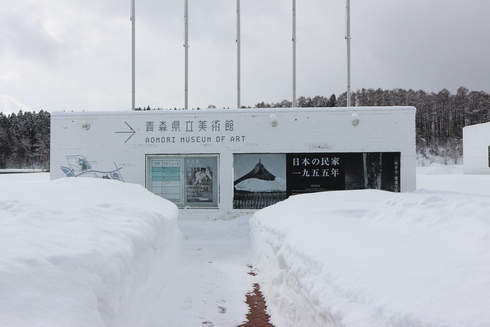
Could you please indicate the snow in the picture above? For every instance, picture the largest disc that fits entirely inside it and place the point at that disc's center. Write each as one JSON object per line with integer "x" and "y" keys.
{"x": 6, "y": 177}
{"x": 17, "y": 171}
{"x": 374, "y": 258}
{"x": 209, "y": 286}
{"x": 435, "y": 177}
{"x": 82, "y": 252}
{"x": 260, "y": 185}
{"x": 440, "y": 169}
{"x": 88, "y": 252}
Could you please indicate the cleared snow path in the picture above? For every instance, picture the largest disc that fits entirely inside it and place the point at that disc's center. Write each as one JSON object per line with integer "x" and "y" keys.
{"x": 209, "y": 285}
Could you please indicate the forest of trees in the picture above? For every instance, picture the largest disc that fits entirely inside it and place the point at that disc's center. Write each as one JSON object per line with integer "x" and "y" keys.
{"x": 440, "y": 118}
{"x": 24, "y": 140}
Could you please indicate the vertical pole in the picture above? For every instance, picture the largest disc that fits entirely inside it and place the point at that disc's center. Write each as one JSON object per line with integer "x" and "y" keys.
{"x": 294, "y": 54}
{"x": 347, "y": 37}
{"x": 133, "y": 19}
{"x": 238, "y": 53}
{"x": 186, "y": 45}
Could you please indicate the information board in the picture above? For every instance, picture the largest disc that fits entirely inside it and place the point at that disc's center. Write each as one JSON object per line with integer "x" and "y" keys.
{"x": 165, "y": 179}
{"x": 187, "y": 181}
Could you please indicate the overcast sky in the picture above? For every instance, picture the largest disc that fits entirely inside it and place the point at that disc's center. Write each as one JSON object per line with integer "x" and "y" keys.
{"x": 76, "y": 54}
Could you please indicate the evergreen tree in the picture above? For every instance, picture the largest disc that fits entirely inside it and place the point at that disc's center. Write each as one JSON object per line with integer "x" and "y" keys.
{"x": 439, "y": 119}
{"x": 332, "y": 101}
{"x": 24, "y": 140}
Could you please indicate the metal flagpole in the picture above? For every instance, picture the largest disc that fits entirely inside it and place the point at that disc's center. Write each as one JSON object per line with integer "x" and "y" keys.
{"x": 294, "y": 54}
{"x": 133, "y": 19}
{"x": 238, "y": 53}
{"x": 186, "y": 45}
{"x": 347, "y": 37}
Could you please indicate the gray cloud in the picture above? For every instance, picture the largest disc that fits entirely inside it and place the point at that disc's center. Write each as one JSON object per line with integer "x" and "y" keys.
{"x": 25, "y": 36}
{"x": 76, "y": 55}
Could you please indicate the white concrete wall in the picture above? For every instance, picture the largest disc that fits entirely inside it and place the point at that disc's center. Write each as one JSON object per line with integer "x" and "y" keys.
{"x": 109, "y": 143}
{"x": 476, "y": 140}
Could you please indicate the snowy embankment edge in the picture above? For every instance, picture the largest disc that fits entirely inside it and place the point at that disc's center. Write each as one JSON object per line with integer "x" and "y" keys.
{"x": 287, "y": 304}
{"x": 370, "y": 258}
{"x": 83, "y": 252}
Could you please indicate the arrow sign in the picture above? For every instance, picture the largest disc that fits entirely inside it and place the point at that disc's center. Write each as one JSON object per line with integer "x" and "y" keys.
{"x": 131, "y": 131}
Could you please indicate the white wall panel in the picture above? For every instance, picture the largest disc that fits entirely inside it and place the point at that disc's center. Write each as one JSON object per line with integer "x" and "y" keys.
{"x": 119, "y": 142}
{"x": 476, "y": 147}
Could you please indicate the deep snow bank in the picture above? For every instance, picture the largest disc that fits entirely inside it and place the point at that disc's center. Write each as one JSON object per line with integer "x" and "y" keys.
{"x": 373, "y": 258}
{"x": 83, "y": 252}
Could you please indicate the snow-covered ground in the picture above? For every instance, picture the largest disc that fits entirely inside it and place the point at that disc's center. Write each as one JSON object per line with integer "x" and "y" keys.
{"x": 103, "y": 253}
{"x": 82, "y": 252}
{"x": 373, "y": 258}
{"x": 17, "y": 171}
{"x": 209, "y": 286}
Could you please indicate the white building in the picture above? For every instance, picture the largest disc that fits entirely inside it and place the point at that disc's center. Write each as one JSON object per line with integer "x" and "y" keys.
{"x": 476, "y": 149}
{"x": 219, "y": 164}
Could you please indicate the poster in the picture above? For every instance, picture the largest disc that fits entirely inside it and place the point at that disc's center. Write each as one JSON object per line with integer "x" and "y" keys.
{"x": 318, "y": 172}
{"x": 199, "y": 184}
{"x": 259, "y": 180}
{"x": 187, "y": 181}
{"x": 315, "y": 172}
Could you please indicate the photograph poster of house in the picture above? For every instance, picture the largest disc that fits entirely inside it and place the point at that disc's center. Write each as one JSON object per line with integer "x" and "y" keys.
{"x": 259, "y": 180}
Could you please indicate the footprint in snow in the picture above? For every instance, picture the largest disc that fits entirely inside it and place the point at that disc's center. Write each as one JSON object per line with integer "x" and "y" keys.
{"x": 187, "y": 303}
